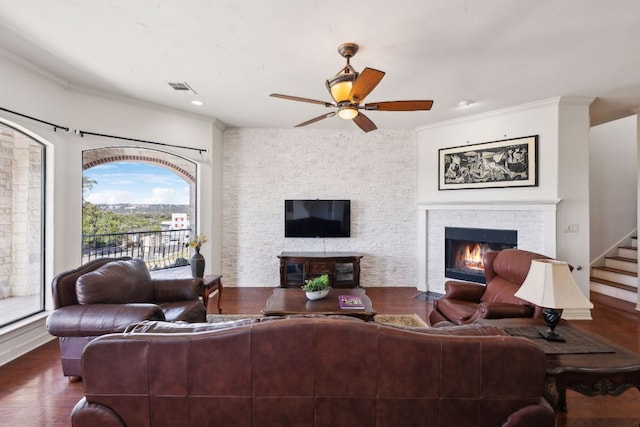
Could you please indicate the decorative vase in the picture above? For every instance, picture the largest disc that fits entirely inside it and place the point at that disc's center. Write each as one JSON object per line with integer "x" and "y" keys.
{"x": 317, "y": 294}
{"x": 197, "y": 264}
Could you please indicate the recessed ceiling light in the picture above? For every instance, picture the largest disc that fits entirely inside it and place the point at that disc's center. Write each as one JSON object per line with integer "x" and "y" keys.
{"x": 465, "y": 104}
{"x": 196, "y": 102}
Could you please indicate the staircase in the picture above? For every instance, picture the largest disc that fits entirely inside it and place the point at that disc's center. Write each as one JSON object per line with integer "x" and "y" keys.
{"x": 618, "y": 277}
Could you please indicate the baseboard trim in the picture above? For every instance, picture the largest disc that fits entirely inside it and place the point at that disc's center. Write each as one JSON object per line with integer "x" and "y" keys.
{"x": 23, "y": 337}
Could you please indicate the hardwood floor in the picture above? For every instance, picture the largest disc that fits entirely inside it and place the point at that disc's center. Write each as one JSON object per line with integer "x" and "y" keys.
{"x": 33, "y": 391}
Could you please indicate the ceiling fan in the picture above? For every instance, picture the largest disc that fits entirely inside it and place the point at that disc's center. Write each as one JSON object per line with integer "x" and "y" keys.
{"x": 348, "y": 89}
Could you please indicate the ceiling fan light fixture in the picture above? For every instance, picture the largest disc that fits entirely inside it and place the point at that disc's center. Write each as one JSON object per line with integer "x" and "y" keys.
{"x": 340, "y": 85}
{"x": 347, "y": 113}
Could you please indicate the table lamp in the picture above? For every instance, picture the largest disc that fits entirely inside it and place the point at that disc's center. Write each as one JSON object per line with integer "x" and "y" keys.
{"x": 550, "y": 285}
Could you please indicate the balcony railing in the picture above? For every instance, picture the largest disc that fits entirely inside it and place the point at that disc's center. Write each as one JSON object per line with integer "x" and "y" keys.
{"x": 158, "y": 249}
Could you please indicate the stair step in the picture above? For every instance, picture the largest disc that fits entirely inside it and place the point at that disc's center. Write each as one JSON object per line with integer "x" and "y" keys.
{"x": 628, "y": 252}
{"x": 622, "y": 277}
{"x": 634, "y": 242}
{"x": 622, "y": 263}
{"x": 614, "y": 292}
{"x": 614, "y": 284}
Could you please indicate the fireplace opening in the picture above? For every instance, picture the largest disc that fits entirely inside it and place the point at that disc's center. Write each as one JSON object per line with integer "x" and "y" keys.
{"x": 466, "y": 247}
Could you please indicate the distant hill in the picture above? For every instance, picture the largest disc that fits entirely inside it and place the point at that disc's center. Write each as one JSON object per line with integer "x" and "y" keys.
{"x": 127, "y": 208}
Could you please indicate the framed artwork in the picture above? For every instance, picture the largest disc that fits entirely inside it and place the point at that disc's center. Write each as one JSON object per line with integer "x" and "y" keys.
{"x": 496, "y": 164}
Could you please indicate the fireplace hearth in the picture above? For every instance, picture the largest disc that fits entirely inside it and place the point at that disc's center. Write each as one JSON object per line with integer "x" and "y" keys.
{"x": 465, "y": 248}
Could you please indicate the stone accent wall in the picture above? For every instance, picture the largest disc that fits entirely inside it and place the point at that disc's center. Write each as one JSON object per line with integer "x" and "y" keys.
{"x": 21, "y": 210}
{"x": 376, "y": 171}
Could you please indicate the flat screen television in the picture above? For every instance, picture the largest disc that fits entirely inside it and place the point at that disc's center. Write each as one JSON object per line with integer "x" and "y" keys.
{"x": 317, "y": 218}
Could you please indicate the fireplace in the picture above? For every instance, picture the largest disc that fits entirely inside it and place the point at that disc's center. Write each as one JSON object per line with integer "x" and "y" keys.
{"x": 465, "y": 248}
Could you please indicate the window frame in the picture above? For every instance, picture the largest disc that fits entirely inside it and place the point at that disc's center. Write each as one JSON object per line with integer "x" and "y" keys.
{"x": 43, "y": 167}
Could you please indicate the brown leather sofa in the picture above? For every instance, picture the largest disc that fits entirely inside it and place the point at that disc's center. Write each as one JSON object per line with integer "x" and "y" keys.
{"x": 107, "y": 295}
{"x": 465, "y": 302}
{"x": 312, "y": 372}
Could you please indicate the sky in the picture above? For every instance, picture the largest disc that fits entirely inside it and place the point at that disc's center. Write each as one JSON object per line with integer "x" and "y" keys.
{"x": 135, "y": 183}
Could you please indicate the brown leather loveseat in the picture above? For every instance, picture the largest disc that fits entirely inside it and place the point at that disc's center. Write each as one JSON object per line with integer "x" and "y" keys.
{"x": 107, "y": 295}
{"x": 505, "y": 271}
{"x": 312, "y": 372}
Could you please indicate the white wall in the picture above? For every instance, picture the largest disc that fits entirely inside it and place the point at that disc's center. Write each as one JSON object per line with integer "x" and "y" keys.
{"x": 573, "y": 188}
{"x": 612, "y": 182}
{"x": 34, "y": 93}
{"x": 376, "y": 171}
{"x": 532, "y": 119}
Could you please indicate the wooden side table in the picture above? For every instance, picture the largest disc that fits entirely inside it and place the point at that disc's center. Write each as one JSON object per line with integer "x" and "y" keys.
{"x": 211, "y": 283}
{"x": 606, "y": 370}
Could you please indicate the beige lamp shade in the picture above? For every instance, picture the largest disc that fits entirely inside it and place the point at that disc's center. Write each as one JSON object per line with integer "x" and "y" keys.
{"x": 549, "y": 284}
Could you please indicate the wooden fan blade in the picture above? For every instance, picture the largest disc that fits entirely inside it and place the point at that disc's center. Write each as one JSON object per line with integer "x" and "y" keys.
{"x": 297, "y": 98}
{"x": 364, "y": 84}
{"x": 317, "y": 119}
{"x": 364, "y": 122}
{"x": 399, "y": 105}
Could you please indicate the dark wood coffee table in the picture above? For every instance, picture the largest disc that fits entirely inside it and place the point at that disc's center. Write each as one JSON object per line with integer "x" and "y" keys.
{"x": 284, "y": 302}
{"x": 588, "y": 364}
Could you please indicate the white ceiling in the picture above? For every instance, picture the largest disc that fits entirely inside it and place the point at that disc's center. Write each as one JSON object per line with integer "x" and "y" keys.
{"x": 234, "y": 53}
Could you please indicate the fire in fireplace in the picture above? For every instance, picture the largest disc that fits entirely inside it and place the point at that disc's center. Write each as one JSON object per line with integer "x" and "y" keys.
{"x": 465, "y": 248}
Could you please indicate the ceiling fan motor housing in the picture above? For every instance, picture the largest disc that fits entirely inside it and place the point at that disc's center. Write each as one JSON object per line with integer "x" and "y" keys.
{"x": 348, "y": 50}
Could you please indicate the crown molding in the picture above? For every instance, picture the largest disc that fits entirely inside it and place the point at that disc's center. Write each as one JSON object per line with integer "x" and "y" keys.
{"x": 557, "y": 101}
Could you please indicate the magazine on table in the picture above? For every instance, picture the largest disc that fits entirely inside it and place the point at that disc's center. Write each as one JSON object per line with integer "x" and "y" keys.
{"x": 350, "y": 302}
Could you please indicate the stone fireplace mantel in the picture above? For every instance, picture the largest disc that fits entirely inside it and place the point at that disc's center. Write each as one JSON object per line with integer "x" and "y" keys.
{"x": 535, "y": 221}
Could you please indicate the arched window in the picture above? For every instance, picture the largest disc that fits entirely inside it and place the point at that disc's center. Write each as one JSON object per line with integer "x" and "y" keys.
{"x": 138, "y": 203}
{"x": 22, "y": 184}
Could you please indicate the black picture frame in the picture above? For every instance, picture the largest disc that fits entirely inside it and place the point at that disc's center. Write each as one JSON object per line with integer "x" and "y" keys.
{"x": 495, "y": 164}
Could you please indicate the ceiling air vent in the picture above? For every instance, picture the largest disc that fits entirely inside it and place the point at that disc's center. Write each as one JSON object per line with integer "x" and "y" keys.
{"x": 182, "y": 87}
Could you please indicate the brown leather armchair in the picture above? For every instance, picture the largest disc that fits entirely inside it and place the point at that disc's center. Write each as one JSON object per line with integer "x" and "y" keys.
{"x": 109, "y": 294}
{"x": 465, "y": 302}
